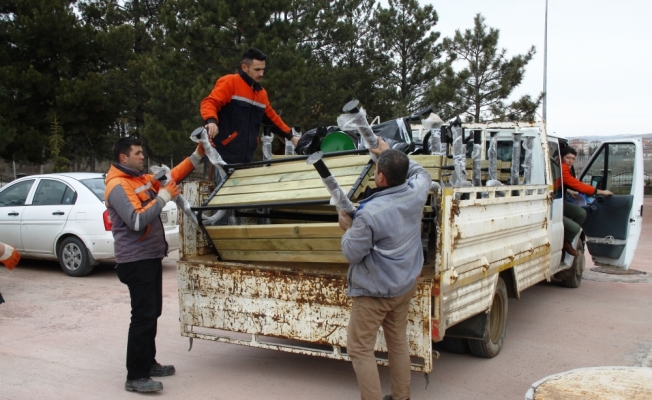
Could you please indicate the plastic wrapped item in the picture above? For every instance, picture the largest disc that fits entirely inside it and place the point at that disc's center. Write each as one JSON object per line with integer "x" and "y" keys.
{"x": 395, "y": 129}
{"x": 233, "y": 220}
{"x": 492, "y": 153}
{"x": 354, "y": 118}
{"x": 267, "y": 146}
{"x": 433, "y": 124}
{"x": 435, "y": 142}
{"x": 338, "y": 199}
{"x": 433, "y": 121}
{"x": 289, "y": 146}
{"x": 179, "y": 200}
{"x": 528, "y": 143}
{"x": 494, "y": 182}
{"x": 458, "y": 178}
{"x": 200, "y": 135}
{"x": 477, "y": 167}
{"x": 183, "y": 204}
{"x": 516, "y": 158}
{"x": 213, "y": 219}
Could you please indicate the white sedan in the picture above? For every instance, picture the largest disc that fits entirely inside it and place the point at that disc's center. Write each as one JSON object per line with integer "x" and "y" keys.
{"x": 63, "y": 217}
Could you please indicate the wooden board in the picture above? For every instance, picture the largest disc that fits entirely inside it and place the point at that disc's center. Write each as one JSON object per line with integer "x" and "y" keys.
{"x": 293, "y": 181}
{"x": 289, "y": 231}
{"x": 268, "y": 244}
{"x": 290, "y": 177}
{"x": 271, "y": 198}
{"x": 426, "y": 160}
{"x": 345, "y": 182}
{"x": 286, "y": 256}
{"x": 313, "y": 242}
{"x": 300, "y": 165}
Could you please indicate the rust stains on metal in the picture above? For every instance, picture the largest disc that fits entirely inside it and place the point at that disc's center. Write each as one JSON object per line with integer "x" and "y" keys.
{"x": 550, "y": 197}
{"x": 455, "y": 210}
{"x": 309, "y": 305}
{"x": 456, "y": 238}
{"x": 453, "y": 276}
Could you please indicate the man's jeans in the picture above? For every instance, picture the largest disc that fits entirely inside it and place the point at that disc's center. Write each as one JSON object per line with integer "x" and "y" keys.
{"x": 367, "y": 315}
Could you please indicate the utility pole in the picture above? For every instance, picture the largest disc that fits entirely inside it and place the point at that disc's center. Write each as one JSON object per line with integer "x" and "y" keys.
{"x": 545, "y": 66}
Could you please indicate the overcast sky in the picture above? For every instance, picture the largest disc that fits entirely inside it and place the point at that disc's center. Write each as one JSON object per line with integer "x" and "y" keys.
{"x": 599, "y": 57}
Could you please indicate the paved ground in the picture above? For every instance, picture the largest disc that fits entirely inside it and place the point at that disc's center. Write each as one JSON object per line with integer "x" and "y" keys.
{"x": 65, "y": 338}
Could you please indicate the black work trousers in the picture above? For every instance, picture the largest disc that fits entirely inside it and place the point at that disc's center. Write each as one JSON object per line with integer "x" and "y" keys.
{"x": 145, "y": 281}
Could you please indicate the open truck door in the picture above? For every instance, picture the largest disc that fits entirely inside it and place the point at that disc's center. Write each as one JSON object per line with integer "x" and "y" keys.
{"x": 613, "y": 223}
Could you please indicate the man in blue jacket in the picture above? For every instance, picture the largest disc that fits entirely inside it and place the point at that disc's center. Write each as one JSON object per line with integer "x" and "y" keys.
{"x": 383, "y": 245}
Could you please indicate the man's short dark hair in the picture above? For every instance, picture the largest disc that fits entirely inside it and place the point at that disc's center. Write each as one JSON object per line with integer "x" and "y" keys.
{"x": 394, "y": 165}
{"x": 253, "y": 54}
{"x": 123, "y": 146}
{"x": 568, "y": 150}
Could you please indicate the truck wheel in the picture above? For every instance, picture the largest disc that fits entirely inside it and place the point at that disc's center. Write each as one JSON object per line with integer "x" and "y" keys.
{"x": 73, "y": 257}
{"x": 494, "y": 332}
{"x": 576, "y": 270}
{"x": 455, "y": 345}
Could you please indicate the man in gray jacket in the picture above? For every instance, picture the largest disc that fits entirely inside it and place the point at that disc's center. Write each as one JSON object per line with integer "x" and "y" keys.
{"x": 383, "y": 245}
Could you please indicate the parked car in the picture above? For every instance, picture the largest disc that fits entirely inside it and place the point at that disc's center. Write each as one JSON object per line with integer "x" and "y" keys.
{"x": 63, "y": 217}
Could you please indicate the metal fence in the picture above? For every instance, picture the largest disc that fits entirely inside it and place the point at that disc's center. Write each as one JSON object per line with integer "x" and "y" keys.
{"x": 625, "y": 177}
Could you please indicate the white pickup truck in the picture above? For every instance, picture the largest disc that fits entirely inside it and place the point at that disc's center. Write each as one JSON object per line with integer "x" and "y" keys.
{"x": 282, "y": 285}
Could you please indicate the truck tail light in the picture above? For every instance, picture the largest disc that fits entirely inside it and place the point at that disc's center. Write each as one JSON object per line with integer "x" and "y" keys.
{"x": 107, "y": 220}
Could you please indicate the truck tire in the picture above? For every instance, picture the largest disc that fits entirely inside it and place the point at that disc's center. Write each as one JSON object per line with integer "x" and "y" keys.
{"x": 73, "y": 257}
{"x": 494, "y": 332}
{"x": 455, "y": 345}
{"x": 576, "y": 270}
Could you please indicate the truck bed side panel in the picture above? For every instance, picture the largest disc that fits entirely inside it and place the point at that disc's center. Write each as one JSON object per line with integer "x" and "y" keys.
{"x": 305, "y": 303}
{"x": 484, "y": 236}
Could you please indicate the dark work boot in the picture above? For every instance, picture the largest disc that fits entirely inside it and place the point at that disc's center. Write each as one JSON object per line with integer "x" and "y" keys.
{"x": 143, "y": 385}
{"x": 161, "y": 370}
{"x": 568, "y": 247}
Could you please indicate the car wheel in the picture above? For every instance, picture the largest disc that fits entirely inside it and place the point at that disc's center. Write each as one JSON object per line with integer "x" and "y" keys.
{"x": 574, "y": 275}
{"x": 73, "y": 257}
{"x": 494, "y": 331}
{"x": 455, "y": 345}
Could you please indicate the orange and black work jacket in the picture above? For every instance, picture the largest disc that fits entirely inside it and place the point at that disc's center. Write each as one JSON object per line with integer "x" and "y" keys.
{"x": 238, "y": 105}
{"x": 571, "y": 182}
{"x": 134, "y": 209}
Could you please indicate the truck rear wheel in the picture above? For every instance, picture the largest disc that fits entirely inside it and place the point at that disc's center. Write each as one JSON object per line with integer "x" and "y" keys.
{"x": 576, "y": 270}
{"x": 494, "y": 332}
{"x": 455, "y": 345}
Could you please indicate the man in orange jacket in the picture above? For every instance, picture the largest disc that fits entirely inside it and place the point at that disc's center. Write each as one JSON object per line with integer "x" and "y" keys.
{"x": 135, "y": 201}
{"x": 574, "y": 215}
{"x": 235, "y": 108}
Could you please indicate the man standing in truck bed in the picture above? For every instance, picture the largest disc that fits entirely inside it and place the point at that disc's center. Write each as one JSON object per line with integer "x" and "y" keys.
{"x": 235, "y": 108}
{"x": 383, "y": 244}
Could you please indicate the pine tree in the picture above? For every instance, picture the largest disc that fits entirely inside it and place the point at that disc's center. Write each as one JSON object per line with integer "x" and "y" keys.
{"x": 407, "y": 36}
{"x": 50, "y": 63}
{"x": 488, "y": 78}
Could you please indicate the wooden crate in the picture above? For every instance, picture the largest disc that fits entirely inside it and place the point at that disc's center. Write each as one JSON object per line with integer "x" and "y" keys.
{"x": 287, "y": 186}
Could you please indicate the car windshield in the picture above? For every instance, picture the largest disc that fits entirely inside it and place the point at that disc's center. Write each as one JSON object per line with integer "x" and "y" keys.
{"x": 96, "y": 185}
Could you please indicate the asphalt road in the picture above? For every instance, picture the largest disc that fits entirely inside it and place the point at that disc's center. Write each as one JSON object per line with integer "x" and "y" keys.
{"x": 65, "y": 338}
